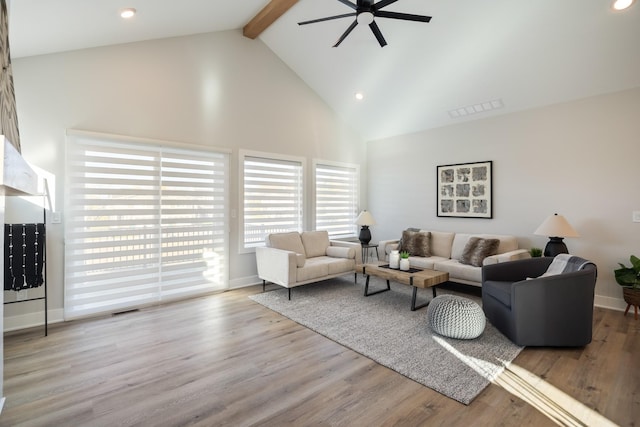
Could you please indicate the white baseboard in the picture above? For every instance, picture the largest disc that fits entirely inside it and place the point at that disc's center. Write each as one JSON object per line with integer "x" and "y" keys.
{"x": 243, "y": 282}
{"x": 610, "y": 303}
{"x": 30, "y": 320}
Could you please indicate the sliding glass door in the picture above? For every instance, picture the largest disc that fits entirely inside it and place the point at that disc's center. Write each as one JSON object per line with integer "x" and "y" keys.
{"x": 145, "y": 222}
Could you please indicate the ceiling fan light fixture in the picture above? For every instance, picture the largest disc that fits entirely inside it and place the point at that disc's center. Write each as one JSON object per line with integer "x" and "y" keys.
{"x": 622, "y": 4}
{"x": 365, "y": 18}
{"x": 367, "y": 12}
{"x": 127, "y": 13}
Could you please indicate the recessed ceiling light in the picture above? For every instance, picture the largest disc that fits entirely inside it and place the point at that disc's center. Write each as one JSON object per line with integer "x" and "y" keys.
{"x": 359, "y": 96}
{"x": 622, "y": 4}
{"x": 127, "y": 13}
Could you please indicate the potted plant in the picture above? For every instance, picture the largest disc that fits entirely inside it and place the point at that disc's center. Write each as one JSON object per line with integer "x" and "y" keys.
{"x": 629, "y": 279}
{"x": 535, "y": 252}
{"x": 404, "y": 261}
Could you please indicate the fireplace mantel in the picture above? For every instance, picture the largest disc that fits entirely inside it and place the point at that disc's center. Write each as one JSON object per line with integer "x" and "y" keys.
{"x": 17, "y": 178}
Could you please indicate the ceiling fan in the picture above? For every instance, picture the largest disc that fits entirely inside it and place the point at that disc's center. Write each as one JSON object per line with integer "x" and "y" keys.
{"x": 365, "y": 12}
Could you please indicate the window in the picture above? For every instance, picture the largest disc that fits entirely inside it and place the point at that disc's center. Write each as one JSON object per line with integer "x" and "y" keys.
{"x": 144, "y": 223}
{"x": 272, "y": 196}
{"x": 337, "y": 195}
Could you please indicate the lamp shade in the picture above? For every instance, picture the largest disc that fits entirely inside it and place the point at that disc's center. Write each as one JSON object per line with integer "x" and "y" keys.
{"x": 556, "y": 226}
{"x": 365, "y": 218}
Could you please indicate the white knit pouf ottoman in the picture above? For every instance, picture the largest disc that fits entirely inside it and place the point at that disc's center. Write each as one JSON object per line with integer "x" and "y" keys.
{"x": 456, "y": 317}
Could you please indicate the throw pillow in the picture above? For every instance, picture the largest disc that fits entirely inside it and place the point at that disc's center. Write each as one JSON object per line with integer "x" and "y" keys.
{"x": 467, "y": 252}
{"x": 417, "y": 243}
{"x": 402, "y": 238}
{"x": 477, "y": 249}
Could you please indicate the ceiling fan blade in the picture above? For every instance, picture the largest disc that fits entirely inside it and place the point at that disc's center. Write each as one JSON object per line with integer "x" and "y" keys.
{"x": 329, "y": 18}
{"x": 383, "y": 3}
{"x": 348, "y": 3}
{"x": 376, "y": 32}
{"x": 346, "y": 33}
{"x": 403, "y": 16}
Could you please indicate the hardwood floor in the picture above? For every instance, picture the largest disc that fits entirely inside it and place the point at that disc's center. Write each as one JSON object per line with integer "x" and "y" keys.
{"x": 224, "y": 360}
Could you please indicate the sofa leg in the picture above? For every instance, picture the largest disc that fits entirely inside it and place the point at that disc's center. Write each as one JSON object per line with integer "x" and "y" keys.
{"x": 355, "y": 278}
{"x": 289, "y": 294}
{"x": 264, "y": 283}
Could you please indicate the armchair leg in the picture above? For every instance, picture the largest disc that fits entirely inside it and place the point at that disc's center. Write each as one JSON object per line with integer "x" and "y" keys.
{"x": 289, "y": 294}
{"x": 264, "y": 283}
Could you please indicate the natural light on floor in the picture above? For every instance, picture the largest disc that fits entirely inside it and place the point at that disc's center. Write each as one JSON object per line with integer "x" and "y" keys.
{"x": 558, "y": 406}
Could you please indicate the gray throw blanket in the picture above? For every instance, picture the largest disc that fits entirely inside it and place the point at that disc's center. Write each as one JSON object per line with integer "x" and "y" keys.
{"x": 565, "y": 263}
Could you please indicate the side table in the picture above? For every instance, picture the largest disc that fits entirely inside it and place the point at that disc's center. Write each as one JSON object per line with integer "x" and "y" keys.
{"x": 365, "y": 252}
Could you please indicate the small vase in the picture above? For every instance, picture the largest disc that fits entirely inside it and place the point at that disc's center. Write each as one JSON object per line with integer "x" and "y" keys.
{"x": 404, "y": 264}
{"x": 394, "y": 259}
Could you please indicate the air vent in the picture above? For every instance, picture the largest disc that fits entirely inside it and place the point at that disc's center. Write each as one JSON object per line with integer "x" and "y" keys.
{"x": 482, "y": 107}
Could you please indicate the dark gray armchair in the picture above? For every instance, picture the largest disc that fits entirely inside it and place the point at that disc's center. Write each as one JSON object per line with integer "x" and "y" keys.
{"x": 554, "y": 311}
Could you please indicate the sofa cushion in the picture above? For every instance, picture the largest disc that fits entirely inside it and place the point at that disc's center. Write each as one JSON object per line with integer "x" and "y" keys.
{"x": 460, "y": 271}
{"x": 315, "y": 243}
{"x": 425, "y": 262}
{"x": 507, "y": 256}
{"x": 341, "y": 265}
{"x": 477, "y": 249}
{"x": 314, "y": 268}
{"x": 286, "y": 241}
{"x": 441, "y": 243}
{"x": 417, "y": 243}
{"x": 341, "y": 252}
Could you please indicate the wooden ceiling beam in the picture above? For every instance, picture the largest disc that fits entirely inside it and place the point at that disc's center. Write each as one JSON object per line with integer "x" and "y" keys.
{"x": 267, "y": 16}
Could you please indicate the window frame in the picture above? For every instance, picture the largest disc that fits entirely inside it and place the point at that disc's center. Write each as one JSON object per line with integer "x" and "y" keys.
{"x": 242, "y": 156}
{"x": 356, "y": 199}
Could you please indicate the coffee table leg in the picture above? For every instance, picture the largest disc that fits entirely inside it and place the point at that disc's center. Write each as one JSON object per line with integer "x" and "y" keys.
{"x": 414, "y": 296}
{"x": 366, "y": 288}
{"x": 415, "y": 307}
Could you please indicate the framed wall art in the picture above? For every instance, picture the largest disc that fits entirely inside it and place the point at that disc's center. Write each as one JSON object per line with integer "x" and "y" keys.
{"x": 464, "y": 190}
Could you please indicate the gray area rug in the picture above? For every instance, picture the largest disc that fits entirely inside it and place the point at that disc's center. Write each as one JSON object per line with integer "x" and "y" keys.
{"x": 383, "y": 328}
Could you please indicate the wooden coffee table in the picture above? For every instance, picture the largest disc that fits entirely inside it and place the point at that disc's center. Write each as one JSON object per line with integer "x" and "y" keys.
{"x": 415, "y": 277}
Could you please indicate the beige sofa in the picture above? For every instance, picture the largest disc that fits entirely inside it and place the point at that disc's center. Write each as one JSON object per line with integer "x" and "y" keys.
{"x": 446, "y": 251}
{"x": 294, "y": 259}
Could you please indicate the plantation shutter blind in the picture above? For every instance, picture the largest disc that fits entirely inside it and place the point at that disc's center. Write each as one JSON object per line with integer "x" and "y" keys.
{"x": 273, "y": 198}
{"x": 337, "y": 193}
{"x": 145, "y": 223}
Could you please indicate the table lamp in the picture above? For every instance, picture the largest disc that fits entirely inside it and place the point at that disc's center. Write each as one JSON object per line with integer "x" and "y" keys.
{"x": 556, "y": 227}
{"x": 365, "y": 219}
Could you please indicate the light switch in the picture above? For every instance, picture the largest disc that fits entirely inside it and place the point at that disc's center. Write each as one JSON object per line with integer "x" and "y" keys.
{"x": 636, "y": 216}
{"x": 56, "y": 218}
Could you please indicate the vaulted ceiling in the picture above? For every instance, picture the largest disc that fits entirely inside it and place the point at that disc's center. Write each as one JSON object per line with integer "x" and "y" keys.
{"x": 472, "y": 56}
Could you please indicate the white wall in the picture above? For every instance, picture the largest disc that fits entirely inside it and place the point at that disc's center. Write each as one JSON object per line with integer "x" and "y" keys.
{"x": 217, "y": 89}
{"x": 579, "y": 159}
